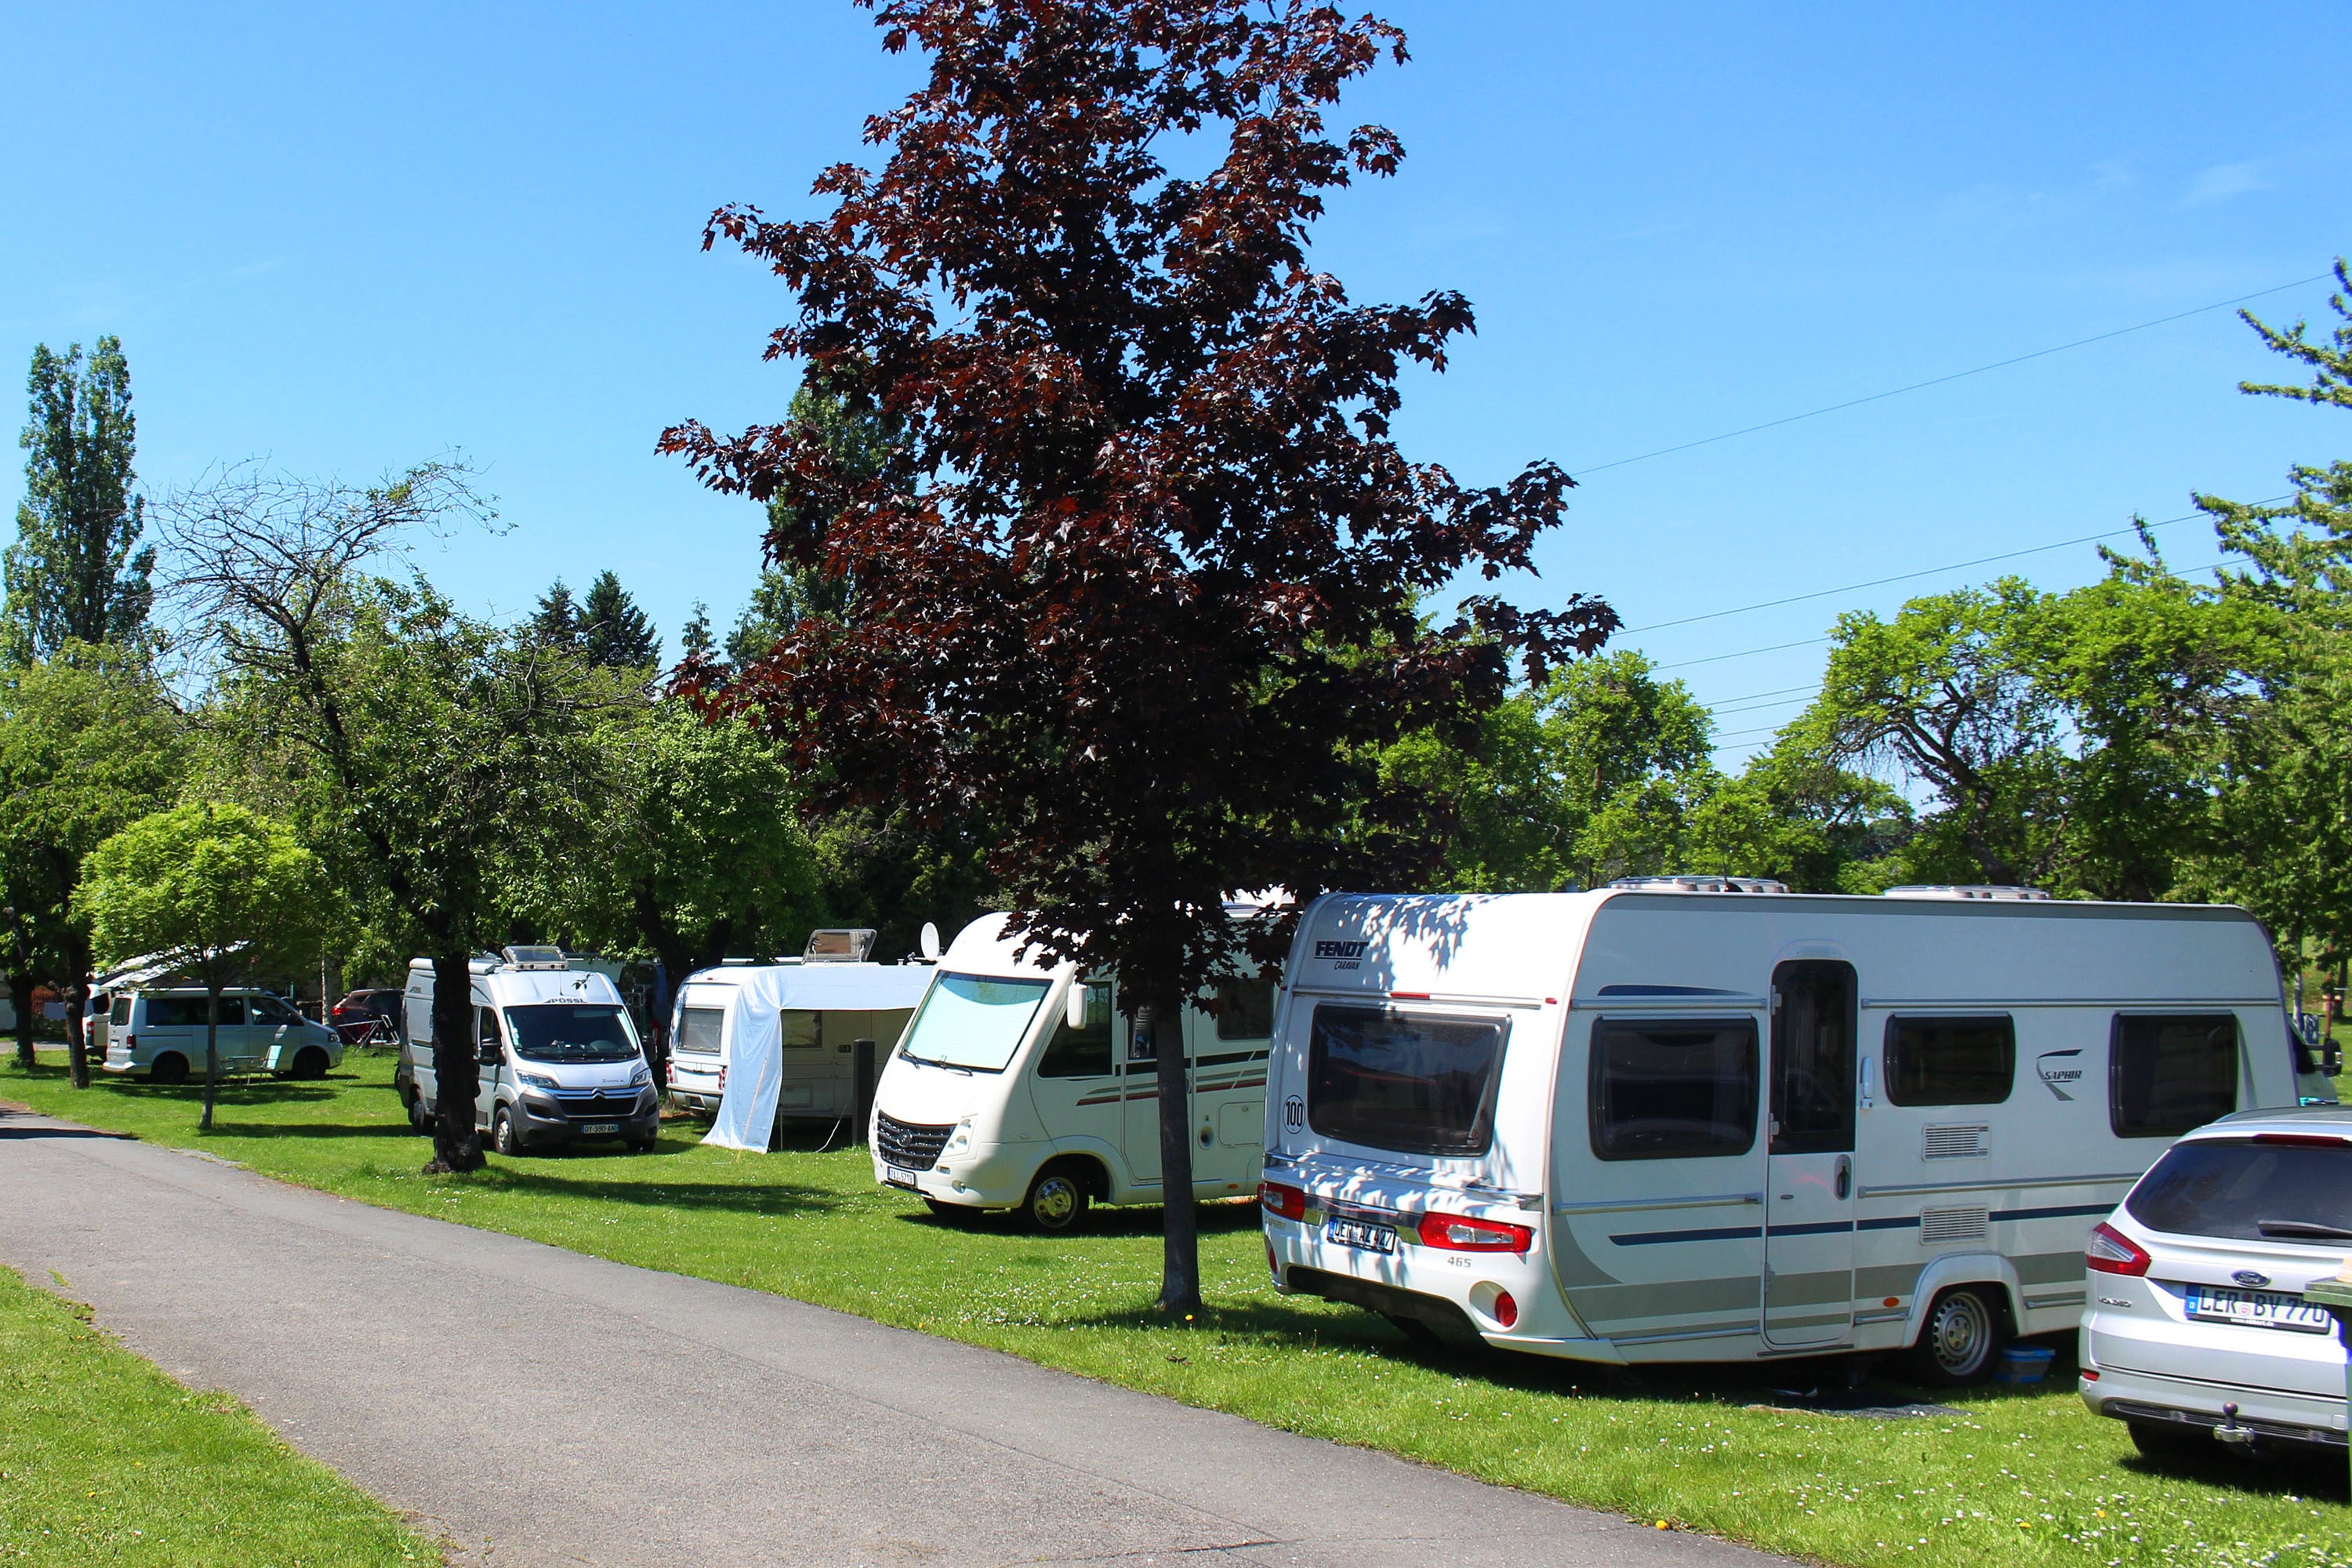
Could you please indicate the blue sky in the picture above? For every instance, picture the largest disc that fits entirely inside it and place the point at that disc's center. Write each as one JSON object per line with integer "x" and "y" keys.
{"x": 347, "y": 238}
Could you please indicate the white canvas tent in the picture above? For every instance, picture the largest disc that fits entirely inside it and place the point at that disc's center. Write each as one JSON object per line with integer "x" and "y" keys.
{"x": 756, "y": 1067}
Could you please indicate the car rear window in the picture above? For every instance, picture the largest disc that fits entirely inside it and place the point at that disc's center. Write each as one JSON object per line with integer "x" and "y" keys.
{"x": 2229, "y": 1189}
{"x": 1413, "y": 1083}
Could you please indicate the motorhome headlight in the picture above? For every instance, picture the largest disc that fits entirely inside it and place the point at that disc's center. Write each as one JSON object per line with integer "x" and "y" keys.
{"x": 536, "y": 1081}
{"x": 642, "y": 1078}
{"x": 960, "y": 1138}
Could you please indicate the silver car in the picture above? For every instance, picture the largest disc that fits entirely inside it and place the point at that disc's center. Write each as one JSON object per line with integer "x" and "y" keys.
{"x": 2195, "y": 1329}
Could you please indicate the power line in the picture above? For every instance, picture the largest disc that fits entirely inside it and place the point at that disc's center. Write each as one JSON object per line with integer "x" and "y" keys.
{"x": 1722, "y": 709}
{"x": 1776, "y": 691}
{"x": 1743, "y": 653}
{"x": 1956, "y": 376}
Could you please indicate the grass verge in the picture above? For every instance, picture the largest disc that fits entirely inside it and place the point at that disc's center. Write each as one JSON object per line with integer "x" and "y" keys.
{"x": 105, "y": 1459}
{"x": 2027, "y": 1478}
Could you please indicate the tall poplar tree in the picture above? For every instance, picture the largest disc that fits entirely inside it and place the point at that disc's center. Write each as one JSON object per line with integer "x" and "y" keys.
{"x": 77, "y": 571}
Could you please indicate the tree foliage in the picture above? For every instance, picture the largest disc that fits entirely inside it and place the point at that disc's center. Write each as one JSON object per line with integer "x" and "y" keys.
{"x": 215, "y": 890}
{"x": 1136, "y": 581}
{"x": 77, "y": 572}
{"x": 614, "y": 633}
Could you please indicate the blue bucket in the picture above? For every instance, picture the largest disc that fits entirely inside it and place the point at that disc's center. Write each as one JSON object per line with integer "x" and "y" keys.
{"x": 2024, "y": 1365}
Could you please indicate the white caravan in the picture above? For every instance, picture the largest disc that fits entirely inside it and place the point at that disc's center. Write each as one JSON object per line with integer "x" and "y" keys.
{"x": 558, "y": 1058}
{"x": 1007, "y": 1091}
{"x": 1705, "y": 1119}
{"x": 761, "y": 1043}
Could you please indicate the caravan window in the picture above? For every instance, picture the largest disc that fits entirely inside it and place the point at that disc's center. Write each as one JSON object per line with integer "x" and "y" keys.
{"x": 803, "y": 1031}
{"x": 1246, "y": 1009}
{"x": 1950, "y": 1061}
{"x": 1406, "y": 1081}
{"x": 2167, "y": 1075}
{"x": 1672, "y": 1089}
{"x": 975, "y": 1021}
{"x": 1082, "y": 1053}
{"x": 699, "y": 1029}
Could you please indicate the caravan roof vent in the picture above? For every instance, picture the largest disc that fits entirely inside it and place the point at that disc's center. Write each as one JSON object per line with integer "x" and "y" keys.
{"x": 1701, "y": 884}
{"x": 534, "y": 958}
{"x": 839, "y": 944}
{"x": 1981, "y": 890}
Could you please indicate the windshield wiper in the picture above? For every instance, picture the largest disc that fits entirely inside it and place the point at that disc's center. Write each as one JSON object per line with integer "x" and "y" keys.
{"x": 2306, "y": 1227}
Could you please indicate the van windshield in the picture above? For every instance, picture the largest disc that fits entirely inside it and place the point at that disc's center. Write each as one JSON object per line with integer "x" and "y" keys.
{"x": 975, "y": 1021}
{"x": 2249, "y": 1191}
{"x": 564, "y": 1032}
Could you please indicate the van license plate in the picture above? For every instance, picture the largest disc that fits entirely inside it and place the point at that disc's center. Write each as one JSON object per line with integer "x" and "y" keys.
{"x": 898, "y": 1176}
{"x": 593, "y": 1128}
{"x": 2257, "y": 1308}
{"x": 1361, "y": 1234}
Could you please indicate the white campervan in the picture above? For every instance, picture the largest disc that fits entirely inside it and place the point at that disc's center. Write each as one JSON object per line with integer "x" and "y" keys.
{"x": 1705, "y": 1119}
{"x": 1006, "y": 1092}
{"x": 559, "y": 1059}
{"x": 160, "y": 1031}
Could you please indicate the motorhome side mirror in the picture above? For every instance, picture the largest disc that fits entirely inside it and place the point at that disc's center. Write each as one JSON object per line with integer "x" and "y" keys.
{"x": 1073, "y": 1010}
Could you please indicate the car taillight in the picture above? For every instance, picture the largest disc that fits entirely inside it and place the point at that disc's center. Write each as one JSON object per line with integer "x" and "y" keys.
{"x": 1282, "y": 1203}
{"x": 2110, "y": 1251}
{"x": 1506, "y": 1311}
{"x": 1460, "y": 1233}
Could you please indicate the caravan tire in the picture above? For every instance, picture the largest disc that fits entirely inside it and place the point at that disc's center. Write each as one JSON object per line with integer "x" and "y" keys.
{"x": 1056, "y": 1201}
{"x": 169, "y": 1067}
{"x": 1962, "y": 1337}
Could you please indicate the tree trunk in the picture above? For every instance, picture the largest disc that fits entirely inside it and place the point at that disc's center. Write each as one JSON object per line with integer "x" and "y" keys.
{"x": 212, "y": 1055}
{"x": 1179, "y": 1267}
{"x": 20, "y": 996}
{"x": 456, "y": 1069}
{"x": 77, "y": 1031}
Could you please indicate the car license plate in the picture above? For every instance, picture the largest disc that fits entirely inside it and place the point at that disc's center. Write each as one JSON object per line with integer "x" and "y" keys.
{"x": 2257, "y": 1308}
{"x": 1361, "y": 1234}
{"x": 593, "y": 1128}
{"x": 899, "y": 1177}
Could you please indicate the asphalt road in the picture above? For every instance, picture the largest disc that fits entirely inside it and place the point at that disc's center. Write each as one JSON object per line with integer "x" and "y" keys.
{"x": 610, "y": 1415}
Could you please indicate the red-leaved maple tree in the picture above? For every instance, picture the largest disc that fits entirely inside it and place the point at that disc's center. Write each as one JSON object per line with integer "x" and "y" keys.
{"x": 1141, "y": 582}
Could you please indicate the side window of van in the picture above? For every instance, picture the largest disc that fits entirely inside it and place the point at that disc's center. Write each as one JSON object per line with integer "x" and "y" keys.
{"x": 1081, "y": 1053}
{"x": 119, "y": 1013}
{"x": 1672, "y": 1089}
{"x": 1246, "y": 1009}
{"x": 2167, "y": 1075}
{"x": 699, "y": 1030}
{"x": 1950, "y": 1061}
{"x": 188, "y": 1012}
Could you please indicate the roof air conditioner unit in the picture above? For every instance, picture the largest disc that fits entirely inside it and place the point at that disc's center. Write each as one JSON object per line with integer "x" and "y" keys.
{"x": 1972, "y": 891}
{"x": 1701, "y": 884}
{"x": 534, "y": 958}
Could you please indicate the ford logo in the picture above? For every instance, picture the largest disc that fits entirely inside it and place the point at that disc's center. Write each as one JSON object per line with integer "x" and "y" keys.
{"x": 2251, "y": 1278}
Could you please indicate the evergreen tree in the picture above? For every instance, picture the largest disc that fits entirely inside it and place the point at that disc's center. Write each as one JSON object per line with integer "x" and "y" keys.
{"x": 613, "y": 631}
{"x": 556, "y": 623}
{"x": 75, "y": 571}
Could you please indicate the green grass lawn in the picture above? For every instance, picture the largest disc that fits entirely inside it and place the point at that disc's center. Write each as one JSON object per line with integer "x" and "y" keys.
{"x": 105, "y": 1459}
{"x": 2012, "y": 1477}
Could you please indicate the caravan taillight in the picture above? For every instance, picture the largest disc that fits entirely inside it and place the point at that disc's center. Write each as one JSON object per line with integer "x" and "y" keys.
{"x": 1460, "y": 1233}
{"x": 1506, "y": 1311}
{"x": 1282, "y": 1203}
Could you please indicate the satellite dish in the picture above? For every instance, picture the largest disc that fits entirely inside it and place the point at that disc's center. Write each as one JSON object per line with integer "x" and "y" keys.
{"x": 931, "y": 941}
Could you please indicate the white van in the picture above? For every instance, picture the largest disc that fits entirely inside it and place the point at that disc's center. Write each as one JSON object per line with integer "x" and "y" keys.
{"x": 160, "y": 1032}
{"x": 559, "y": 1059}
{"x": 1705, "y": 1119}
{"x": 995, "y": 1099}
{"x": 802, "y": 1014}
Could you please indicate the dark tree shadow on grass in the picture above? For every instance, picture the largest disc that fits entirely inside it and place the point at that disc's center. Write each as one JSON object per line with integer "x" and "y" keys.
{"x": 706, "y": 1197}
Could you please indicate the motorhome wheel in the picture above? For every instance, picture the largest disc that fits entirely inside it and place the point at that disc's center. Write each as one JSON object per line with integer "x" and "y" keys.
{"x": 169, "y": 1067}
{"x": 1961, "y": 1338}
{"x": 505, "y": 1136}
{"x": 1056, "y": 1201}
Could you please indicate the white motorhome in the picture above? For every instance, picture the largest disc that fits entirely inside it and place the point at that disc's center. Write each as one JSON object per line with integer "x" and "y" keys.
{"x": 559, "y": 1059}
{"x": 1705, "y": 1119}
{"x": 1019, "y": 1086}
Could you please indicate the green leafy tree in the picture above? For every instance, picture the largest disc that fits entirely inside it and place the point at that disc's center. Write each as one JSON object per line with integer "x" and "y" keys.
{"x": 1791, "y": 815}
{"x": 435, "y": 754}
{"x": 556, "y": 622}
{"x": 77, "y": 572}
{"x": 89, "y": 744}
{"x": 215, "y": 889}
{"x": 857, "y": 440}
{"x": 614, "y": 632}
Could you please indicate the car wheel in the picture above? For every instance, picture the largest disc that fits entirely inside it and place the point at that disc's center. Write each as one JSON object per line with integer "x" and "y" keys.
{"x": 505, "y": 1136}
{"x": 311, "y": 1062}
{"x": 2172, "y": 1440}
{"x": 1057, "y": 1203}
{"x": 1961, "y": 1338}
{"x": 169, "y": 1067}
{"x": 420, "y": 1119}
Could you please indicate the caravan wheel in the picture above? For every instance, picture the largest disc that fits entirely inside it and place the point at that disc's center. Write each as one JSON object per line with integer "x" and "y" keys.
{"x": 1962, "y": 1336}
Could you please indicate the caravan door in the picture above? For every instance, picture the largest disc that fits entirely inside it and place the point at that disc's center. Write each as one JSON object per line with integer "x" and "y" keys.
{"x": 1809, "y": 1176}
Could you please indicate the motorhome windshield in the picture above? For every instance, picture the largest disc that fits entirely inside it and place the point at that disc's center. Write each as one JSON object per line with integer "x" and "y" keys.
{"x": 975, "y": 1021}
{"x": 565, "y": 1032}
